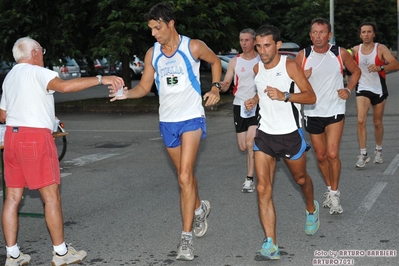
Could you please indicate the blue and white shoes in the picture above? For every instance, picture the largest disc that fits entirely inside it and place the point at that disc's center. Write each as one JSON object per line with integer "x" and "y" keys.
{"x": 269, "y": 250}
{"x": 312, "y": 221}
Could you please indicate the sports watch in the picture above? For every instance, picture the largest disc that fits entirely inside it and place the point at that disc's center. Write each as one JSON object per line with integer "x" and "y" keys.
{"x": 287, "y": 96}
{"x": 217, "y": 85}
{"x": 382, "y": 68}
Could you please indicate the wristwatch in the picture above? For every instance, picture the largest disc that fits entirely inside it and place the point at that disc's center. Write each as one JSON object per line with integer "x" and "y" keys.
{"x": 287, "y": 96}
{"x": 217, "y": 85}
{"x": 100, "y": 79}
{"x": 382, "y": 68}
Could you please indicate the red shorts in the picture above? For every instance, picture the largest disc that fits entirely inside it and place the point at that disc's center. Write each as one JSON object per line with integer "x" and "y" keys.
{"x": 30, "y": 158}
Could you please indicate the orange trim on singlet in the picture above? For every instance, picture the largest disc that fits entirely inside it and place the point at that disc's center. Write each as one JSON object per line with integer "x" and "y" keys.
{"x": 377, "y": 61}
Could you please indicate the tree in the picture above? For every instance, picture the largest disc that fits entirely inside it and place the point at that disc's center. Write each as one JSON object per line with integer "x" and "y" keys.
{"x": 348, "y": 15}
{"x": 116, "y": 28}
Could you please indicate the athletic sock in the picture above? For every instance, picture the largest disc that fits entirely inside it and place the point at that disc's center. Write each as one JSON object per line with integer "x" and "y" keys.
{"x": 363, "y": 152}
{"x": 333, "y": 192}
{"x": 378, "y": 148}
{"x": 187, "y": 234}
{"x": 329, "y": 188}
{"x": 199, "y": 210}
{"x": 13, "y": 251}
{"x": 61, "y": 250}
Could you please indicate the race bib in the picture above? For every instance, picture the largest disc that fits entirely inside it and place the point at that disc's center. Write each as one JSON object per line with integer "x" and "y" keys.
{"x": 247, "y": 113}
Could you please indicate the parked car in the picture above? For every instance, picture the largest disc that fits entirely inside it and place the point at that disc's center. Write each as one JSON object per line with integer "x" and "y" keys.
{"x": 289, "y": 46}
{"x": 290, "y": 54}
{"x": 86, "y": 66}
{"x": 69, "y": 68}
{"x": 104, "y": 67}
{"x": 136, "y": 68}
{"x": 225, "y": 59}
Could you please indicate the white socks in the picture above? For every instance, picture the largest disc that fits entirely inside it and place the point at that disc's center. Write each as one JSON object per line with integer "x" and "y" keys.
{"x": 13, "y": 251}
{"x": 333, "y": 192}
{"x": 199, "y": 210}
{"x": 61, "y": 249}
{"x": 186, "y": 234}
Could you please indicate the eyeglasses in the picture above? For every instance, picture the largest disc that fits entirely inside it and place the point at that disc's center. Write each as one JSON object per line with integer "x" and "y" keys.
{"x": 41, "y": 48}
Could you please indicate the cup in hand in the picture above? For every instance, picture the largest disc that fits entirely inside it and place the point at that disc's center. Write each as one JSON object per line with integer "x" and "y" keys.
{"x": 119, "y": 93}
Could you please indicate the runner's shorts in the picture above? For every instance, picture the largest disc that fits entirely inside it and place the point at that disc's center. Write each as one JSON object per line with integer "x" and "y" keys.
{"x": 171, "y": 132}
{"x": 242, "y": 124}
{"x": 374, "y": 98}
{"x": 30, "y": 158}
{"x": 289, "y": 146}
{"x": 317, "y": 125}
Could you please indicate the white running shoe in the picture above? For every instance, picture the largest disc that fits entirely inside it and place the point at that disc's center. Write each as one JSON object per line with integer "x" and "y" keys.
{"x": 71, "y": 257}
{"x": 23, "y": 259}
{"x": 327, "y": 201}
{"x": 362, "y": 160}
{"x": 200, "y": 222}
{"x": 248, "y": 186}
{"x": 185, "y": 250}
{"x": 335, "y": 207}
{"x": 378, "y": 156}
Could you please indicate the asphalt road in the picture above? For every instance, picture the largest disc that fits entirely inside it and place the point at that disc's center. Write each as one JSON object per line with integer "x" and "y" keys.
{"x": 121, "y": 201}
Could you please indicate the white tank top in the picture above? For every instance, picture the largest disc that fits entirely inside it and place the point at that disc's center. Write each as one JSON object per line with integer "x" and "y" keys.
{"x": 178, "y": 81}
{"x": 326, "y": 79}
{"x": 369, "y": 81}
{"x": 276, "y": 117}
{"x": 244, "y": 83}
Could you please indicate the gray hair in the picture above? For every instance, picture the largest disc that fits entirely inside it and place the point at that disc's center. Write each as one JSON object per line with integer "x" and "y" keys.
{"x": 23, "y": 47}
{"x": 250, "y": 31}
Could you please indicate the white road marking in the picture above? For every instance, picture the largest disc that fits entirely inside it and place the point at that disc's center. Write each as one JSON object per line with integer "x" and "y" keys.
{"x": 367, "y": 203}
{"x": 90, "y": 158}
{"x": 65, "y": 174}
{"x": 392, "y": 166}
{"x": 369, "y": 200}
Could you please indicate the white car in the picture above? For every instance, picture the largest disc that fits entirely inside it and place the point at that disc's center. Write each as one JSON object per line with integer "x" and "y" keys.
{"x": 136, "y": 68}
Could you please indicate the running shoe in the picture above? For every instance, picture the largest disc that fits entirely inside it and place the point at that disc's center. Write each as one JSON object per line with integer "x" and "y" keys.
{"x": 362, "y": 159}
{"x": 200, "y": 222}
{"x": 327, "y": 201}
{"x": 71, "y": 257}
{"x": 336, "y": 207}
{"x": 378, "y": 156}
{"x": 269, "y": 250}
{"x": 248, "y": 186}
{"x": 185, "y": 250}
{"x": 312, "y": 221}
{"x": 23, "y": 259}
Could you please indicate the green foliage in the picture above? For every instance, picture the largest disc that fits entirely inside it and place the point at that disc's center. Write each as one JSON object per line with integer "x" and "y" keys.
{"x": 116, "y": 28}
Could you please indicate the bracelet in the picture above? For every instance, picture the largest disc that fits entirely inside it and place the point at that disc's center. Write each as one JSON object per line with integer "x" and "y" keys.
{"x": 350, "y": 92}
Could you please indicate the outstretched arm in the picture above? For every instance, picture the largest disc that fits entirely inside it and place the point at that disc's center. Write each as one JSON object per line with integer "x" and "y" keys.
{"x": 145, "y": 84}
